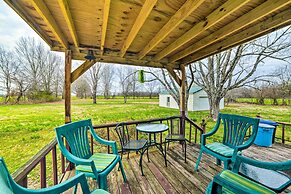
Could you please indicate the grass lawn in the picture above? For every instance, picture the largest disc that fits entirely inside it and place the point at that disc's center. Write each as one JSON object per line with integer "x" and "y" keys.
{"x": 25, "y": 129}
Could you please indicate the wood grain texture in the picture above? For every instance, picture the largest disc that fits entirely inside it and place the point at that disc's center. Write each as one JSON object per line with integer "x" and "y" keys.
{"x": 179, "y": 177}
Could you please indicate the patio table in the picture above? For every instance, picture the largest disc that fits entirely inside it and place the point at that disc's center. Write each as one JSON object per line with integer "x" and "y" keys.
{"x": 153, "y": 129}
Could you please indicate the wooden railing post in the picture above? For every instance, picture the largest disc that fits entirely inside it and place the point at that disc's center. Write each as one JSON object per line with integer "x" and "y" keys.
{"x": 23, "y": 182}
{"x": 283, "y": 133}
{"x": 55, "y": 165}
{"x": 43, "y": 172}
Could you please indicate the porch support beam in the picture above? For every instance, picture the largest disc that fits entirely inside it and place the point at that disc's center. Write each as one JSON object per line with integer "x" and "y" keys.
{"x": 141, "y": 18}
{"x": 215, "y": 17}
{"x": 245, "y": 20}
{"x": 81, "y": 70}
{"x": 187, "y": 8}
{"x": 68, "y": 67}
{"x": 174, "y": 75}
{"x": 278, "y": 21}
{"x": 183, "y": 99}
{"x": 46, "y": 15}
{"x": 104, "y": 25}
{"x": 68, "y": 17}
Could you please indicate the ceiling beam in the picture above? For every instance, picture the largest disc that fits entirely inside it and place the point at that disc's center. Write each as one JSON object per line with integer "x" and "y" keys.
{"x": 174, "y": 75}
{"x": 28, "y": 19}
{"x": 187, "y": 8}
{"x": 280, "y": 20}
{"x": 141, "y": 18}
{"x": 81, "y": 70}
{"x": 46, "y": 15}
{"x": 104, "y": 24}
{"x": 68, "y": 17}
{"x": 249, "y": 18}
{"x": 215, "y": 17}
{"x": 128, "y": 60}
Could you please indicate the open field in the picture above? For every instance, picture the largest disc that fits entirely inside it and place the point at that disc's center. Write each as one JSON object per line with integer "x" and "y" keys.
{"x": 25, "y": 129}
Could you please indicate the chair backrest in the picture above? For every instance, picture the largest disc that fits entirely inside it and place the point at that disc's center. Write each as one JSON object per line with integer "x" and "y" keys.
{"x": 76, "y": 134}
{"x": 235, "y": 128}
{"x": 5, "y": 185}
{"x": 174, "y": 126}
{"x": 122, "y": 132}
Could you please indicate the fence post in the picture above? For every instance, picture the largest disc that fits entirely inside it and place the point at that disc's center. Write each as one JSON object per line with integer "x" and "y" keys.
{"x": 283, "y": 133}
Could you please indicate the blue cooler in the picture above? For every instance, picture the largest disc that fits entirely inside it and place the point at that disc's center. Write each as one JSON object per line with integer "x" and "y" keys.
{"x": 265, "y": 135}
{"x": 273, "y": 123}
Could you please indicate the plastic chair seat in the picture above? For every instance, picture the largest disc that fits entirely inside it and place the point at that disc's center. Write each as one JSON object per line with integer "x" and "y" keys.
{"x": 135, "y": 144}
{"x": 101, "y": 161}
{"x": 99, "y": 191}
{"x": 175, "y": 137}
{"x": 220, "y": 149}
{"x": 247, "y": 185}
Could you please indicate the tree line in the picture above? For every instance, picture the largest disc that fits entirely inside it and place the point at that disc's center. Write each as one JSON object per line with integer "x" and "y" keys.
{"x": 30, "y": 71}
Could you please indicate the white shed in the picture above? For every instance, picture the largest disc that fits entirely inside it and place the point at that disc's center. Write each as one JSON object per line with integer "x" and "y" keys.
{"x": 198, "y": 100}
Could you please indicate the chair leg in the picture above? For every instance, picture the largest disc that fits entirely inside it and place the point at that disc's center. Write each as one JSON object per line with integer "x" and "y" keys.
{"x": 148, "y": 154}
{"x": 185, "y": 146}
{"x": 218, "y": 161}
{"x": 103, "y": 182}
{"x": 122, "y": 171}
{"x": 198, "y": 160}
{"x": 166, "y": 153}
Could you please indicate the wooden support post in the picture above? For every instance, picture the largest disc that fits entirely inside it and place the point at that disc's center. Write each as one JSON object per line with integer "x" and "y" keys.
{"x": 68, "y": 67}
{"x": 183, "y": 99}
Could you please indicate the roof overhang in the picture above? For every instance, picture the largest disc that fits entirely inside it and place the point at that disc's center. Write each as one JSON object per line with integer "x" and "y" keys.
{"x": 153, "y": 33}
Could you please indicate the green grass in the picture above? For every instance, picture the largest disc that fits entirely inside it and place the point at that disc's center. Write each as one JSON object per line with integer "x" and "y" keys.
{"x": 25, "y": 129}
{"x": 267, "y": 101}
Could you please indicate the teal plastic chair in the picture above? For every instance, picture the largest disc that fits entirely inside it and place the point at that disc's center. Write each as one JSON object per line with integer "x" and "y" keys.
{"x": 9, "y": 186}
{"x": 97, "y": 165}
{"x": 234, "y": 140}
{"x": 266, "y": 177}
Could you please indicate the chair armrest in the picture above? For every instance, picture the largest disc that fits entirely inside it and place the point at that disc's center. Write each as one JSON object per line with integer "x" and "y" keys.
{"x": 60, "y": 188}
{"x": 112, "y": 144}
{"x": 285, "y": 165}
{"x": 219, "y": 182}
{"x": 210, "y": 133}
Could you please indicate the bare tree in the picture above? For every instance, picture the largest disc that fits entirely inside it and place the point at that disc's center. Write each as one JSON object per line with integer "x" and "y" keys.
{"x": 94, "y": 78}
{"x": 126, "y": 77}
{"x": 81, "y": 88}
{"x": 21, "y": 84}
{"x": 107, "y": 78}
{"x": 152, "y": 87}
{"x": 236, "y": 67}
{"x": 284, "y": 75}
{"x": 31, "y": 55}
{"x": 8, "y": 67}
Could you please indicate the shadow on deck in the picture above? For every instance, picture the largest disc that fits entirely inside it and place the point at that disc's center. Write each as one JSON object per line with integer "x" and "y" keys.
{"x": 179, "y": 177}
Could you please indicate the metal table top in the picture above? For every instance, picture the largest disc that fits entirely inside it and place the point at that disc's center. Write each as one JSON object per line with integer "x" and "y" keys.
{"x": 152, "y": 127}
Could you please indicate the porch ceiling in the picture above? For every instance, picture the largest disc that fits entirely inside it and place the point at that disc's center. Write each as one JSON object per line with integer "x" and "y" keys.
{"x": 156, "y": 33}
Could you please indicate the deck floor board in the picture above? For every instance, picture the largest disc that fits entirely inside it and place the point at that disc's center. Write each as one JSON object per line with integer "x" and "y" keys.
{"x": 179, "y": 177}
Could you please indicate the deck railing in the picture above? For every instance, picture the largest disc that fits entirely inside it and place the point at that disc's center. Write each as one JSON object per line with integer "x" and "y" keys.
{"x": 285, "y": 129}
{"x": 60, "y": 165}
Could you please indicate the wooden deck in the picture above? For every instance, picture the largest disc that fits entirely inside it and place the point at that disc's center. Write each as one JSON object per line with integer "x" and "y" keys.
{"x": 179, "y": 177}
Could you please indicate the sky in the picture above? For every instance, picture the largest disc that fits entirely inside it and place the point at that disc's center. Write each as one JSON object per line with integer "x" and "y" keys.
{"x": 12, "y": 27}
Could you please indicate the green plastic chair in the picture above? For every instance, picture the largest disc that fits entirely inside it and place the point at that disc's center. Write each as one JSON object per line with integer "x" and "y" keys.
{"x": 267, "y": 178}
{"x": 234, "y": 140}
{"x": 97, "y": 165}
{"x": 9, "y": 186}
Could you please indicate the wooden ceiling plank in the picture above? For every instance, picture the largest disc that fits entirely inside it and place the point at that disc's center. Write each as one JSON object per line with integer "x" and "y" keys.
{"x": 249, "y": 18}
{"x": 141, "y": 18}
{"x": 46, "y": 15}
{"x": 280, "y": 20}
{"x": 81, "y": 70}
{"x": 185, "y": 10}
{"x": 68, "y": 17}
{"x": 104, "y": 24}
{"x": 215, "y": 17}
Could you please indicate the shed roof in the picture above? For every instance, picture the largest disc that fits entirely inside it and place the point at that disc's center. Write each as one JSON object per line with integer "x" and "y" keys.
{"x": 192, "y": 90}
{"x": 156, "y": 33}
